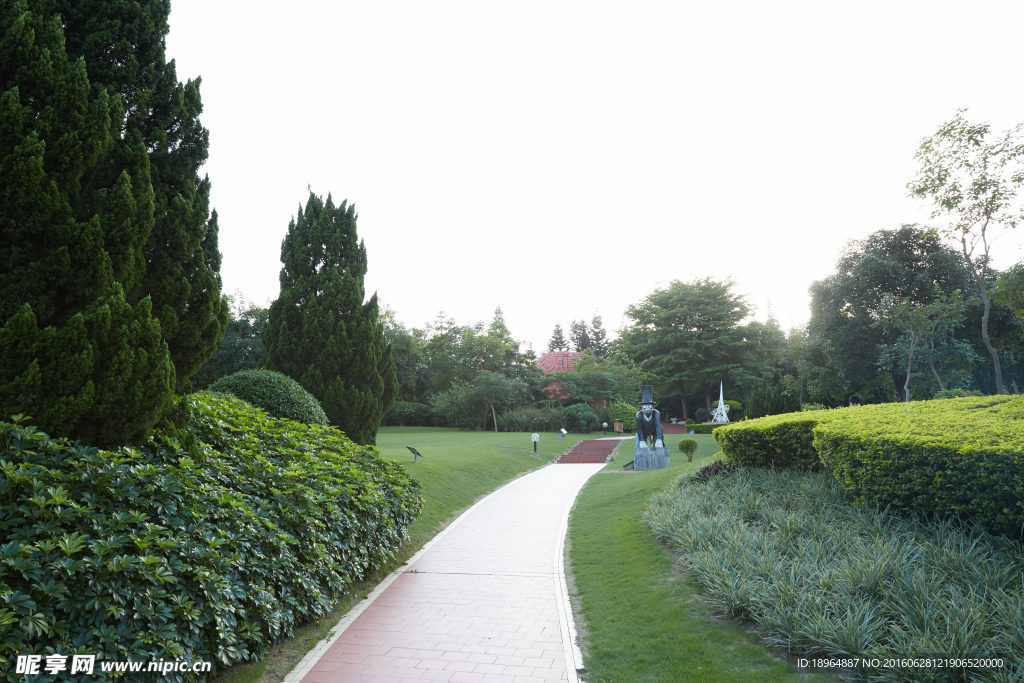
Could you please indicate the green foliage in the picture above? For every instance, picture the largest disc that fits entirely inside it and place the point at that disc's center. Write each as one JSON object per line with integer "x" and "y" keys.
{"x": 597, "y": 379}
{"x": 828, "y": 579}
{"x": 769, "y": 397}
{"x": 690, "y": 335}
{"x": 959, "y": 457}
{"x": 240, "y": 348}
{"x": 76, "y": 353}
{"x": 278, "y": 394}
{"x": 531, "y": 419}
{"x": 320, "y": 332}
{"x": 1009, "y": 289}
{"x": 404, "y": 413}
{"x": 625, "y": 413}
{"x": 809, "y": 407}
{"x": 160, "y": 135}
{"x": 581, "y": 419}
{"x": 557, "y": 341}
{"x": 951, "y": 393}
{"x": 735, "y": 410}
{"x": 777, "y": 441}
{"x": 470, "y": 406}
{"x": 703, "y": 428}
{"x": 689, "y": 447}
{"x": 209, "y": 548}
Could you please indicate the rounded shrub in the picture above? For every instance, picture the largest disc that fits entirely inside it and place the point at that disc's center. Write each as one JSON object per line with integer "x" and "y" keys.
{"x": 209, "y": 542}
{"x": 279, "y": 395}
{"x": 624, "y": 413}
{"x": 689, "y": 447}
{"x": 404, "y": 413}
{"x": 580, "y": 418}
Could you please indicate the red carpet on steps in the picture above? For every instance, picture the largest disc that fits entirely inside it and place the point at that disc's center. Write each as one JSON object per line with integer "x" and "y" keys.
{"x": 589, "y": 451}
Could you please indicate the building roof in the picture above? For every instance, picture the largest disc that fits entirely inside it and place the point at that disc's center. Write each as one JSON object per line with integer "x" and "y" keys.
{"x": 558, "y": 361}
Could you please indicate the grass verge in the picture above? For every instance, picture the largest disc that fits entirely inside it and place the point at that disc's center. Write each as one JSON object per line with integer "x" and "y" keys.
{"x": 642, "y": 620}
{"x": 456, "y": 470}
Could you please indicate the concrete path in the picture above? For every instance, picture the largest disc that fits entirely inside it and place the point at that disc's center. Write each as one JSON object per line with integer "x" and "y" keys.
{"x": 484, "y": 601}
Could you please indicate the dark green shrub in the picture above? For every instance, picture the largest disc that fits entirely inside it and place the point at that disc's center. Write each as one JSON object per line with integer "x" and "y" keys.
{"x": 703, "y": 429}
{"x": 580, "y": 418}
{"x": 735, "y": 410}
{"x": 689, "y": 447}
{"x": 956, "y": 393}
{"x": 213, "y": 552}
{"x": 702, "y": 414}
{"x": 689, "y": 421}
{"x": 768, "y": 397}
{"x": 405, "y": 413}
{"x": 278, "y": 394}
{"x": 530, "y": 419}
{"x": 958, "y": 457}
{"x": 774, "y": 441}
{"x": 625, "y": 413}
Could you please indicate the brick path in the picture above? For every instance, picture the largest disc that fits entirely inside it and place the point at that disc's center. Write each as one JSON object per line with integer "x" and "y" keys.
{"x": 484, "y": 602}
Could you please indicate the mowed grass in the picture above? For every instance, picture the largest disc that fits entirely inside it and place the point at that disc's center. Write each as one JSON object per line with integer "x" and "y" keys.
{"x": 642, "y": 619}
{"x": 457, "y": 469}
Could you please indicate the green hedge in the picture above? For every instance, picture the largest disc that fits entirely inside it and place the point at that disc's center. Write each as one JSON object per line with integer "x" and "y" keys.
{"x": 959, "y": 456}
{"x": 775, "y": 441}
{"x": 278, "y": 394}
{"x": 703, "y": 429}
{"x": 625, "y": 413}
{"x": 208, "y": 548}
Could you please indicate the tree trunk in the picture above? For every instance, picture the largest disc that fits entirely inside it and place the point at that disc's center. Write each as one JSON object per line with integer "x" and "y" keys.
{"x": 979, "y": 280}
{"x": 910, "y": 361}
{"x": 493, "y": 415}
{"x": 682, "y": 399}
{"x": 931, "y": 364}
{"x": 707, "y": 395}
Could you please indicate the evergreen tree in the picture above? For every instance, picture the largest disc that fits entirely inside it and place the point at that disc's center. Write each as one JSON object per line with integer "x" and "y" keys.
{"x": 123, "y": 45}
{"x": 557, "y": 341}
{"x": 320, "y": 332}
{"x": 74, "y": 354}
{"x": 598, "y": 336}
{"x": 240, "y": 348}
{"x": 579, "y": 335}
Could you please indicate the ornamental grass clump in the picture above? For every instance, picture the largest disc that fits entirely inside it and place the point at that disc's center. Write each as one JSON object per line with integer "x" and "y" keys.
{"x": 825, "y": 578}
{"x": 211, "y": 541}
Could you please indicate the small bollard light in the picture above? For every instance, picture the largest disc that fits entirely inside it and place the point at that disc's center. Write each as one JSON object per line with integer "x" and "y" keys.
{"x": 535, "y": 438}
{"x": 604, "y": 426}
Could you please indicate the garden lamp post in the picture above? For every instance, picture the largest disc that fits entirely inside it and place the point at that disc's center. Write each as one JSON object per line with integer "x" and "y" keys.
{"x": 604, "y": 426}
{"x": 535, "y": 438}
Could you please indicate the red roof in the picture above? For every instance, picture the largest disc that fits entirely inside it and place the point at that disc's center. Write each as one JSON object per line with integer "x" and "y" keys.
{"x": 558, "y": 361}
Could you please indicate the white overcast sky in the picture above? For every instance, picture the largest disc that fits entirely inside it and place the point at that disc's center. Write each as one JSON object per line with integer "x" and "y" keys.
{"x": 560, "y": 158}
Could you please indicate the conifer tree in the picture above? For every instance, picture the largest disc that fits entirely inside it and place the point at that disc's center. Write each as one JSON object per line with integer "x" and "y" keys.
{"x": 598, "y": 336}
{"x": 580, "y": 335}
{"x": 320, "y": 332}
{"x": 74, "y": 354}
{"x": 557, "y": 341}
{"x": 123, "y": 44}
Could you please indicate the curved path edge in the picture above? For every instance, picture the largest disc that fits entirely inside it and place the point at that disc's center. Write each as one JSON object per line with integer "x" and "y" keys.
{"x": 567, "y": 627}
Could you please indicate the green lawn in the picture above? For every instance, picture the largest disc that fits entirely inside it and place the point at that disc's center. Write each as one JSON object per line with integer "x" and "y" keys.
{"x": 457, "y": 468}
{"x": 642, "y": 619}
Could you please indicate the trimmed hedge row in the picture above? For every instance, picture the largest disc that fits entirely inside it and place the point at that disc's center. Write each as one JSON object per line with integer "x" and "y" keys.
{"x": 211, "y": 547}
{"x": 955, "y": 457}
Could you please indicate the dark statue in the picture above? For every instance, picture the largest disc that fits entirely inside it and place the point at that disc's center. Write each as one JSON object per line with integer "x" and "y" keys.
{"x": 648, "y": 421}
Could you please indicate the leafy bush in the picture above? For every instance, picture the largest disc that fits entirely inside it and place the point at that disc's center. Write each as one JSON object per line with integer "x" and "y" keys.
{"x": 689, "y": 420}
{"x": 956, "y": 393}
{"x": 810, "y": 407}
{"x": 689, "y": 447}
{"x": 960, "y": 456}
{"x": 529, "y": 419}
{"x": 703, "y": 429}
{"x": 404, "y": 413}
{"x": 278, "y": 394}
{"x": 580, "y": 418}
{"x": 702, "y": 414}
{"x": 774, "y": 441}
{"x": 735, "y": 410}
{"x": 768, "y": 397}
{"x": 624, "y": 413}
{"x": 832, "y": 580}
{"x": 209, "y": 545}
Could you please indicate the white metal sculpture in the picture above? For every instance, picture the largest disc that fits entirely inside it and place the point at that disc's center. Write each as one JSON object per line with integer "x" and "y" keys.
{"x": 721, "y": 413}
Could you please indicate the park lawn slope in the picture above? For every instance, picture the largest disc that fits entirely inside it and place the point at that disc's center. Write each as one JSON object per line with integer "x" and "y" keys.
{"x": 642, "y": 620}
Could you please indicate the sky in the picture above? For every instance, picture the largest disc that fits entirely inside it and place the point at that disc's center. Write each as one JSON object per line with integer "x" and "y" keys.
{"x": 562, "y": 159}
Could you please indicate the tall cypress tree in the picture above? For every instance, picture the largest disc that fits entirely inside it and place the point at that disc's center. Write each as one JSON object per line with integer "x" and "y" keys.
{"x": 320, "y": 332}
{"x": 123, "y": 44}
{"x": 74, "y": 354}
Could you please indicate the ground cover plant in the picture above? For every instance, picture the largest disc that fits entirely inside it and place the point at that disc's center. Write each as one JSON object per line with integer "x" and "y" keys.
{"x": 826, "y": 578}
{"x": 639, "y": 619}
{"x": 960, "y": 457}
{"x": 208, "y": 547}
{"x": 457, "y": 468}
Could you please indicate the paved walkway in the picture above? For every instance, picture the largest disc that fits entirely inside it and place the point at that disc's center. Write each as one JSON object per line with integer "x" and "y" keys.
{"x": 485, "y": 601}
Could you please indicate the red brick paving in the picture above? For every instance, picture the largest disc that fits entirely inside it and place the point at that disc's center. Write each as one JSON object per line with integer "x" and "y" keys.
{"x": 482, "y": 603}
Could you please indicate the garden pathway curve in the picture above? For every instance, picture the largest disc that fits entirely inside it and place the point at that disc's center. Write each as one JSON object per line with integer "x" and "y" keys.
{"x": 484, "y": 601}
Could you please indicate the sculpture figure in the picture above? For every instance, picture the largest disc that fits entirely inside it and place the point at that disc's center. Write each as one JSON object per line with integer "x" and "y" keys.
{"x": 721, "y": 413}
{"x": 648, "y": 421}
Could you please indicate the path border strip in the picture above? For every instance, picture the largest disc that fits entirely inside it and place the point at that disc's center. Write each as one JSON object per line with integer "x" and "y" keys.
{"x": 310, "y": 659}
